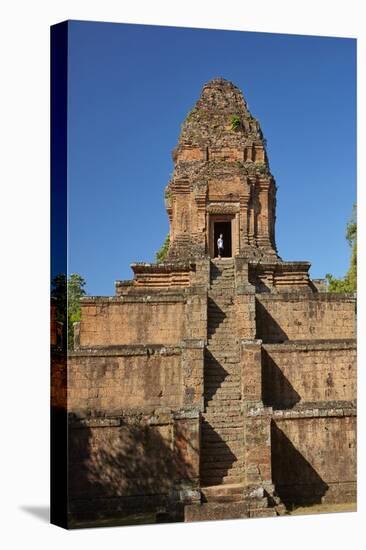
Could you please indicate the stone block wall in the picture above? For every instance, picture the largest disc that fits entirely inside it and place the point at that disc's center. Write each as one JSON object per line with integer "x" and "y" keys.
{"x": 257, "y": 437}
{"x": 132, "y": 463}
{"x": 291, "y": 316}
{"x": 308, "y": 372}
{"x": 314, "y": 458}
{"x": 111, "y": 380}
{"x": 132, "y": 320}
{"x": 134, "y": 428}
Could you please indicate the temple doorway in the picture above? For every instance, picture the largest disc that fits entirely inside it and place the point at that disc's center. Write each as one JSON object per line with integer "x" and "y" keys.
{"x": 224, "y": 229}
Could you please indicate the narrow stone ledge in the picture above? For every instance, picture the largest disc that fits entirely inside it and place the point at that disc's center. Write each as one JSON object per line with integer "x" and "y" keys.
{"x": 308, "y": 345}
{"x": 194, "y": 344}
{"x": 163, "y": 267}
{"x": 142, "y": 295}
{"x": 300, "y": 295}
{"x": 251, "y": 343}
{"x": 95, "y": 422}
{"x": 314, "y": 413}
{"x": 127, "y": 350}
{"x": 151, "y": 416}
{"x": 186, "y": 413}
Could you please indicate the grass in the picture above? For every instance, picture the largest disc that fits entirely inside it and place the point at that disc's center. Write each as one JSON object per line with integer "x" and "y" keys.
{"x": 324, "y": 509}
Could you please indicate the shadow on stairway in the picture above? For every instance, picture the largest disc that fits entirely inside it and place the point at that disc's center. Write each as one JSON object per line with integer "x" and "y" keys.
{"x": 216, "y": 456}
{"x": 214, "y": 375}
{"x": 216, "y": 314}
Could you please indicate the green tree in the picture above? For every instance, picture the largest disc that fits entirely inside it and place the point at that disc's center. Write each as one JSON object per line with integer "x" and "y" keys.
{"x": 68, "y": 293}
{"x": 348, "y": 283}
{"x": 163, "y": 251}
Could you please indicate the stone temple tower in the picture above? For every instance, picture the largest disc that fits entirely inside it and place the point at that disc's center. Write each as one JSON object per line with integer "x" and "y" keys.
{"x": 221, "y": 181}
{"x": 214, "y": 388}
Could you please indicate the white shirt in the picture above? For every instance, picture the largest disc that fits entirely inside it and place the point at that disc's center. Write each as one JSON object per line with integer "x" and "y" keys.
{"x": 220, "y": 243}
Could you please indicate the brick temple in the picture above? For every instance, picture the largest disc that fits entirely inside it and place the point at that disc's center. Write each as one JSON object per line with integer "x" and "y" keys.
{"x": 214, "y": 388}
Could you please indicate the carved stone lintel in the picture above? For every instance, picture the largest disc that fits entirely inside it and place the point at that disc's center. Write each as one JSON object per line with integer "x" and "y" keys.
{"x": 223, "y": 208}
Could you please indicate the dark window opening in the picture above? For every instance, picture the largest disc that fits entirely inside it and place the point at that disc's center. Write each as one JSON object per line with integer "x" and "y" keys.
{"x": 223, "y": 228}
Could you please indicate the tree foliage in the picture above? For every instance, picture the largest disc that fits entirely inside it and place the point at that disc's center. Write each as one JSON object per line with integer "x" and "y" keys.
{"x": 348, "y": 283}
{"x": 68, "y": 293}
{"x": 163, "y": 251}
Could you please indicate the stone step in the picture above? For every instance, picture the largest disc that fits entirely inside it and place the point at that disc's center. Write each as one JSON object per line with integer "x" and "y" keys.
{"x": 218, "y": 419}
{"x": 212, "y": 377}
{"x": 224, "y": 277}
{"x": 222, "y": 325}
{"x": 216, "y": 511}
{"x": 225, "y": 393}
{"x": 222, "y": 284}
{"x": 207, "y": 471}
{"x": 221, "y": 301}
{"x": 209, "y": 478}
{"x": 223, "y": 490}
{"x": 223, "y": 426}
{"x": 231, "y": 415}
{"x": 218, "y": 480}
{"x": 214, "y": 385}
{"x": 215, "y": 354}
{"x": 230, "y": 348}
{"x": 226, "y": 333}
{"x": 222, "y": 389}
{"x": 222, "y": 400}
{"x": 230, "y": 450}
{"x": 222, "y": 498}
{"x": 223, "y": 406}
{"x": 221, "y": 342}
{"x": 224, "y": 316}
{"x": 235, "y": 446}
{"x": 226, "y": 460}
{"x": 214, "y": 374}
{"x": 224, "y": 321}
{"x": 224, "y": 368}
{"x": 231, "y": 422}
{"x": 225, "y": 324}
{"x": 223, "y": 331}
{"x": 206, "y": 427}
{"x": 219, "y": 354}
{"x": 219, "y": 426}
{"x": 225, "y": 439}
{"x": 217, "y": 358}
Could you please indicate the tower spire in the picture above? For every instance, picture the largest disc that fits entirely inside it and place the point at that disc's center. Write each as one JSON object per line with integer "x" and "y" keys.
{"x": 221, "y": 175}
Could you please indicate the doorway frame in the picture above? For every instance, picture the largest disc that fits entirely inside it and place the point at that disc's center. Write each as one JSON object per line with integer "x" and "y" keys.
{"x": 214, "y": 218}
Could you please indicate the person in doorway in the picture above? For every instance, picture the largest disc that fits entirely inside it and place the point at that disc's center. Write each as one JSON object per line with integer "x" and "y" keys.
{"x": 220, "y": 246}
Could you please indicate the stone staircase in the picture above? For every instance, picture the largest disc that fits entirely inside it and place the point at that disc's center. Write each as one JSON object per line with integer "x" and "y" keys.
{"x": 223, "y": 493}
{"x": 222, "y": 424}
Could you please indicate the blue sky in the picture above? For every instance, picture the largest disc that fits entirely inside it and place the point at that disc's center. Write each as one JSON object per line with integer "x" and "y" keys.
{"x": 130, "y": 88}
